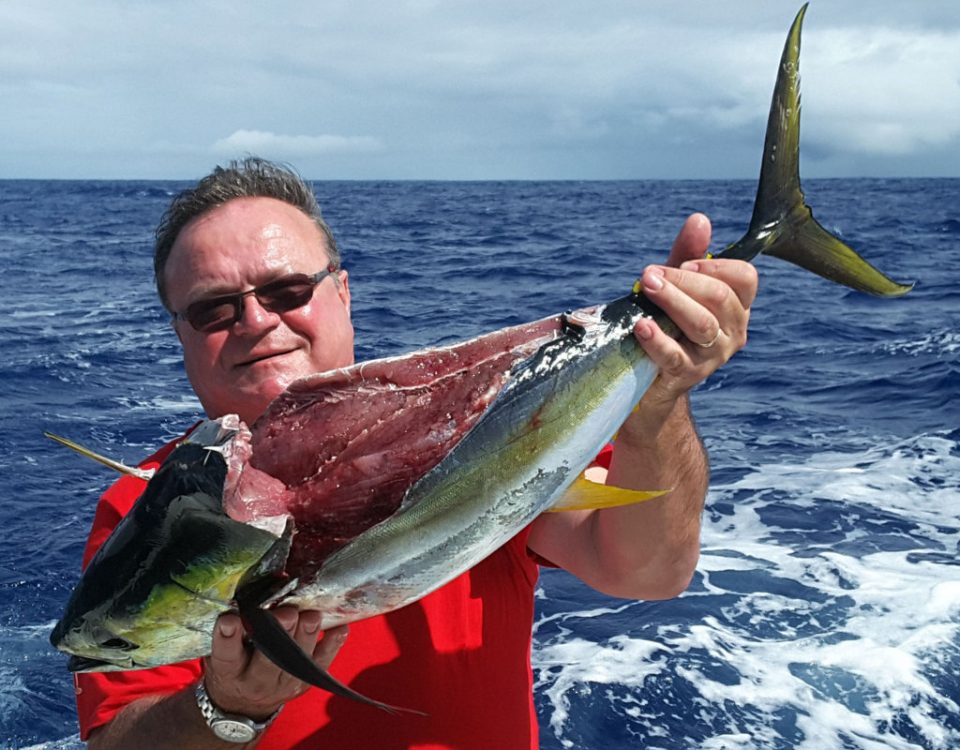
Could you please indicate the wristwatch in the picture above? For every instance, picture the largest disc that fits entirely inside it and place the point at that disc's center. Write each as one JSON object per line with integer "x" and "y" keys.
{"x": 229, "y": 727}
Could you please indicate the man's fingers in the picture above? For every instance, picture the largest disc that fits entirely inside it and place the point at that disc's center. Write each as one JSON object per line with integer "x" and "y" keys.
{"x": 308, "y": 629}
{"x": 240, "y": 678}
{"x": 689, "y": 303}
{"x": 692, "y": 240}
{"x": 260, "y": 664}
{"x": 739, "y": 275}
{"x": 329, "y": 645}
{"x": 228, "y": 656}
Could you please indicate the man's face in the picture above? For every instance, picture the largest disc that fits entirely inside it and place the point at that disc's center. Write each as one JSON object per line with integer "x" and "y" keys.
{"x": 236, "y": 247}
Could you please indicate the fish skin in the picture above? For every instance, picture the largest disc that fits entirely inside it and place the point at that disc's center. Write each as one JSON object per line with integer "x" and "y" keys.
{"x": 555, "y": 410}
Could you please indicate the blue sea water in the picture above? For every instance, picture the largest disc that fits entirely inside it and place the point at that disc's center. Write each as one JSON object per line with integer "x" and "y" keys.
{"x": 825, "y": 613}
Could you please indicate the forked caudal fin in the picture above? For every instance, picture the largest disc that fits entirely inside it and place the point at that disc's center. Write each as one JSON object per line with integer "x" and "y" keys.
{"x": 279, "y": 647}
{"x": 783, "y": 225}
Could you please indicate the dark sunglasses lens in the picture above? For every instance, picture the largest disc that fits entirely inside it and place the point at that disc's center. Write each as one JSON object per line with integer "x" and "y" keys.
{"x": 286, "y": 294}
{"x": 212, "y": 314}
{"x": 282, "y": 295}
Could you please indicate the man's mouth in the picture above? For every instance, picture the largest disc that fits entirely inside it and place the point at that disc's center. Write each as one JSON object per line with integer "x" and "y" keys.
{"x": 261, "y": 357}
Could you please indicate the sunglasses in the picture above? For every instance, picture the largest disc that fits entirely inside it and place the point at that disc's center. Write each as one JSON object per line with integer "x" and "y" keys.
{"x": 277, "y": 296}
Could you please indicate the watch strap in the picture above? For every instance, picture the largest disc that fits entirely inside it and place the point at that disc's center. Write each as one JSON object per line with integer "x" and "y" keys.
{"x": 212, "y": 715}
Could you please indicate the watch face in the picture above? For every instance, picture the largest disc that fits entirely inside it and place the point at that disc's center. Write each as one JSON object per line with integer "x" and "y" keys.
{"x": 232, "y": 730}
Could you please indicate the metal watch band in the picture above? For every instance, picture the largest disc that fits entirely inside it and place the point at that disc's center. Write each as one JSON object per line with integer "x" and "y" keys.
{"x": 229, "y": 727}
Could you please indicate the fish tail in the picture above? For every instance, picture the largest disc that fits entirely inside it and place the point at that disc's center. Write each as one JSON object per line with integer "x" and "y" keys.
{"x": 782, "y": 224}
{"x": 278, "y": 646}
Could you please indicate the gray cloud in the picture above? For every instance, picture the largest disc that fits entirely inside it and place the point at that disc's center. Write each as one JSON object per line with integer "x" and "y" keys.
{"x": 421, "y": 89}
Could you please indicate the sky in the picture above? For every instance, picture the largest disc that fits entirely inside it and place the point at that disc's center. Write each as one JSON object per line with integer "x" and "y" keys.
{"x": 463, "y": 89}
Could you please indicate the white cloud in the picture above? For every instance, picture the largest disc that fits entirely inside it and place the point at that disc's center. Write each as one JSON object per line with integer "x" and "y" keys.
{"x": 265, "y": 143}
{"x": 885, "y": 91}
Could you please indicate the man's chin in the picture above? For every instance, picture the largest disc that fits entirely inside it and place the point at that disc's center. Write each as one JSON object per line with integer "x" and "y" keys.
{"x": 250, "y": 400}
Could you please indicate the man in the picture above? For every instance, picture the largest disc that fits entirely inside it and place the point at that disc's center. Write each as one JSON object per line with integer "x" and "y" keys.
{"x": 461, "y": 654}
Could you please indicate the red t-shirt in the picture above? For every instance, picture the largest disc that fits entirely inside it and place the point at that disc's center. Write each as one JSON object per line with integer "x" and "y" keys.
{"x": 460, "y": 654}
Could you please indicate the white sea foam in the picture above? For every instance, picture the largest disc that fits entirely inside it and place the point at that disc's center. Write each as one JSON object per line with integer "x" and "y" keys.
{"x": 18, "y": 699}
{"x": 575, "y": 664}
{"x": 943, "y": 341}
{"x": 67, "y": 743}
{"x": 840, "y": 636}
{"x": 161, "y": 404}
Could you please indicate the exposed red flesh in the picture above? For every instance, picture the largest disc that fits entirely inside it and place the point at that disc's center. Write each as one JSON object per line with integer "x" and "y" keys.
{"x": 348, "y": 444}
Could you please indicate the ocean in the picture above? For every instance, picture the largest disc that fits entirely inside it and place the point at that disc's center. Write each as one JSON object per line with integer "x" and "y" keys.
{"x": 825, "y": 613}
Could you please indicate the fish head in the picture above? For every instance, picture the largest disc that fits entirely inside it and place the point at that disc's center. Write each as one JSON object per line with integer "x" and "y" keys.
{"x": 115, "y": 636}
{"x": 152, "y": 593}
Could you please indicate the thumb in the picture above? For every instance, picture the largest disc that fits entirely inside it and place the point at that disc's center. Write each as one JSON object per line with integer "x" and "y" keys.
{"x": 692, "y": 240}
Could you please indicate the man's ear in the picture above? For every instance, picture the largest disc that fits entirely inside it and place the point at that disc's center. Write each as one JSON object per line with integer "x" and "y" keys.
{"x": 176, "y": 329}
{"x": 343, "y": 288}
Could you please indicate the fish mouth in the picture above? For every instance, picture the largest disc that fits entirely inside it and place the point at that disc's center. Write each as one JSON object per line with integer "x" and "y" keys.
{"x": 86, "y": 664}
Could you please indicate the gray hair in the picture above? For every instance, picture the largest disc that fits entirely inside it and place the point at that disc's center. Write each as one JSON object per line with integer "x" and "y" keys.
{"x": 251, "y": 177}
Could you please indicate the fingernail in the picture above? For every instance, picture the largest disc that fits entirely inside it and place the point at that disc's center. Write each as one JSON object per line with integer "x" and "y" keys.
{"x": 339, "y": 635}
{"x": 644, "y": 331}
{"x": 226, "y": 630}
{"x": 653, "y": 279}
{"x": 690, "y": 265}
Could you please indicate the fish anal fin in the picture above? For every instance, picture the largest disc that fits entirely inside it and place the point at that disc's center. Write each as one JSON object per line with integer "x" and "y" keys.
{"x": 278, "y": 646}
{"x": 584, "y": 494}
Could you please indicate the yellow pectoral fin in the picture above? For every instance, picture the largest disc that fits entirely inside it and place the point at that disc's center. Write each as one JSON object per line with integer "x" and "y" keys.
{"x": 586, "y": 495}
{"x": 144, "y": 474}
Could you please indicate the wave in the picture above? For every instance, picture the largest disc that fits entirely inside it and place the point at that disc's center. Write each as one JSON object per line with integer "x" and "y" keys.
{"x": 824, "y": 615}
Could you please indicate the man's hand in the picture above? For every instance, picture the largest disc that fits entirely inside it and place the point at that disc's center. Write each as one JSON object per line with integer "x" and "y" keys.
{"x": 241, "y": 680}
{"x": 650, "y": 550}
{"x": 709, "y": 300}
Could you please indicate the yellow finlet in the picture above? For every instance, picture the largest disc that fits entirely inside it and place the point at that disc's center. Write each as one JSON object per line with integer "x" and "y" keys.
{"x": 586, "y": 495}
{"x": 133, "y": 471}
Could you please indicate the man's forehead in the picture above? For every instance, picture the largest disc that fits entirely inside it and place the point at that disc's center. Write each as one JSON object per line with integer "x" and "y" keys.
{"x": 255, "y": 219}
{"x": 242, "y": 242}
{"x": 253, "y": 208}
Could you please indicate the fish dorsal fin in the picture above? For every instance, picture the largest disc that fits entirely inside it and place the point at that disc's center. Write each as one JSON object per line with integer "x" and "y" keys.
{"x": 586, "y": 495}
{"x": 133, "y": 471}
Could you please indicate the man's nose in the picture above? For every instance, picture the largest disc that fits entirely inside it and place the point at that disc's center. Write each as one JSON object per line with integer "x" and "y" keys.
{"x": 254, "y": 317}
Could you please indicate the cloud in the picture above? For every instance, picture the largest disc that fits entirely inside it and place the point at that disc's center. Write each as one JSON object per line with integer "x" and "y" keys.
{"x": 886, "y": 91}
{"x": 432, "y": 89}
{"x": 265, "y": 143}
{"x": 869, "y": 92}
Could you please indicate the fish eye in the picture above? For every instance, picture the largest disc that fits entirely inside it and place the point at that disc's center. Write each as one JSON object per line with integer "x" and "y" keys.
{"x": 118, "y": 644}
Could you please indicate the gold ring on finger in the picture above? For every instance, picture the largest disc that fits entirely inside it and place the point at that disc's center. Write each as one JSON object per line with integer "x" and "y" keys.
{"x": 713, "y": 341}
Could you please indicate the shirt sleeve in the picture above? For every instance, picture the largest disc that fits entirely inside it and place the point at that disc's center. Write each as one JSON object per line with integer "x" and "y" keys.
{"x": 603, "y": 457}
